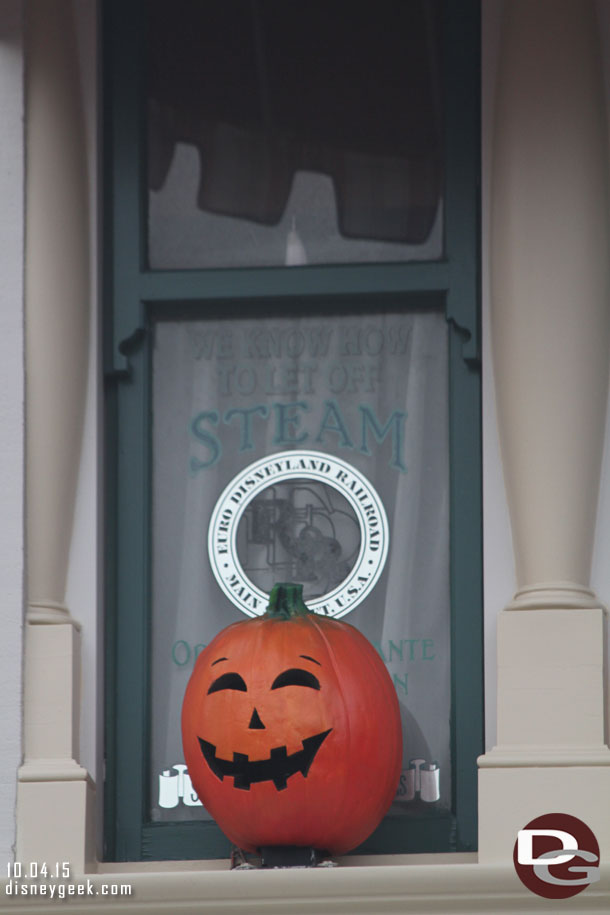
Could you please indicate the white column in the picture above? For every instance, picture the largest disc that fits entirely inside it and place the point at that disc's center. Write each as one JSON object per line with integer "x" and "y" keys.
{"x": 55, "y": 792}
{"x": 550, "y": 337}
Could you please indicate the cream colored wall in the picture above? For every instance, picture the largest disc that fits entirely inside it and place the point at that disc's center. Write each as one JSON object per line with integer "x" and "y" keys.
{"x": 85, "y": 569}
{"x": 83, "y": 577}
{"x": 499, "y": 581}
{"x": 600, "y": 571}
{"x": 11, "y": 414}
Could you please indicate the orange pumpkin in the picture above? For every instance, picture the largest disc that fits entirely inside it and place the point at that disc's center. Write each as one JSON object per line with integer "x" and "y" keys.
{"x": 291, "y": 730}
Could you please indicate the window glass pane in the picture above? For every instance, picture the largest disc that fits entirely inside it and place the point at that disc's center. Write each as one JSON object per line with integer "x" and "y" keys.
{"x": 282, "y": 133}
{"x": 311, "y": 449}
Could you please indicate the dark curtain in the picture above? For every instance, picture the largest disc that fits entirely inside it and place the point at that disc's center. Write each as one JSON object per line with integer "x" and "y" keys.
{"x": 264, "y": 88}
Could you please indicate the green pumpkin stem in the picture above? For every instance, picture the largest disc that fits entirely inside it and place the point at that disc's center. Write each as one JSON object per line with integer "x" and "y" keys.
{"x": 286, "y": 601}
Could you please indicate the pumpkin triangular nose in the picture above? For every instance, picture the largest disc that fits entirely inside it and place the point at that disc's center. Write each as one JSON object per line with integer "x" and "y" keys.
{"x": 255, "y": 722}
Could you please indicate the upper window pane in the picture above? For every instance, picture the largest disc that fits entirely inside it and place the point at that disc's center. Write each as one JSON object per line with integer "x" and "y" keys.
{"x": 282, "y": 133}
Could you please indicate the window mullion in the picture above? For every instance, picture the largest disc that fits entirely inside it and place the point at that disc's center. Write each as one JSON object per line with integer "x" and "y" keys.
{"x": 184, "y": 285}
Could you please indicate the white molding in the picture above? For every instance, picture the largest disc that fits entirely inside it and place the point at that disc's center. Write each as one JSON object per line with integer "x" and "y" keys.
{"x": 554, "y": 595}
{"x": 47, "y": 611}
{"x": 428, "y": 889}
{"x": 531, "y": 756}
{"x": 53, "y": 770}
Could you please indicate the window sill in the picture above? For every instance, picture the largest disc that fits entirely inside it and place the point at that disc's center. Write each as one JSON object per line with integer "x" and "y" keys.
{"x": 414, "y": 884}
{"x": 215, "y": 865}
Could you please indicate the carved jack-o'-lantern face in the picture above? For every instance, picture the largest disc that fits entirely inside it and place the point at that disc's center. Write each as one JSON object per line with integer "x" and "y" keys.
{"x": 279, "y": 765}
{"x": 291, "y": 730}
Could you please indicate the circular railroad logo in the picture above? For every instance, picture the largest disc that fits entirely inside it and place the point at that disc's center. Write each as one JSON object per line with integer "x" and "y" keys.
{"x": 301, "y": 516}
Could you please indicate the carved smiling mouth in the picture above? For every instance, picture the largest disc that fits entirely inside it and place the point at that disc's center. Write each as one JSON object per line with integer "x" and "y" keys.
{"x": 277, "y": 768}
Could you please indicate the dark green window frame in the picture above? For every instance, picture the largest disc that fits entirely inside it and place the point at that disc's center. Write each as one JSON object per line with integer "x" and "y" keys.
{"x": 135, "y": 295}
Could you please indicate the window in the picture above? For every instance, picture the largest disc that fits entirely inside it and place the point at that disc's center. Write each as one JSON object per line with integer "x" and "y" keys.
{"x": 293, "y": 387}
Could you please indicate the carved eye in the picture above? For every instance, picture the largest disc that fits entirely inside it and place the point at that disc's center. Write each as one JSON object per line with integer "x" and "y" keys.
{"x": 296, "y": 677}
{"x": 228, "y": 681}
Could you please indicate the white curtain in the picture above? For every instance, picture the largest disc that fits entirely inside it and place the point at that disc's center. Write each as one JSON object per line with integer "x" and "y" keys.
{"x": 368, "y": 388}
